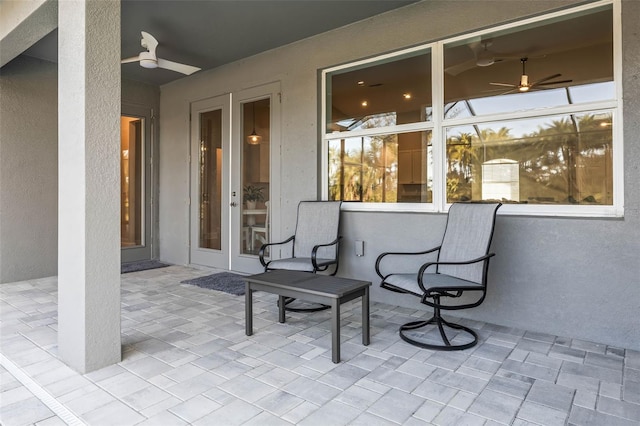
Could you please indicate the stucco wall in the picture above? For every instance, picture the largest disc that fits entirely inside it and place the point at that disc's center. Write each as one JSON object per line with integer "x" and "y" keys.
{"x": 570, "y": 277}
{"x": 29, "y": 169}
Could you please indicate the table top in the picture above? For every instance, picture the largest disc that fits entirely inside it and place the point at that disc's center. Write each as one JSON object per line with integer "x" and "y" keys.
{"x": 307, "y": 282}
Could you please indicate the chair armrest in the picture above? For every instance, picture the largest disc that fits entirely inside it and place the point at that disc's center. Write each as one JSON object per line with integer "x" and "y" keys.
{"x": 427, "y": 265}
{"x": 398, "y": 253}
{"x": 264, "y": 247}
{"x": 314, "y": 251}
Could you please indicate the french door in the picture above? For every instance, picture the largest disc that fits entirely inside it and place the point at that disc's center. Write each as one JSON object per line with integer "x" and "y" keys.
{"x": 135, "y": 183}
{"x": 255, "y": 168}
{"x": 210, "y": 153}
{"x": 234, "y": 138}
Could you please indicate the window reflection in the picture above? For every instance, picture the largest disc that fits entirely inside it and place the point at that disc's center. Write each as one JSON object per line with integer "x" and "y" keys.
{"x": 387, "y": 168}
{"x": 556, "y": 62}
{"x": 555, "y": 160}
{"x": 385, "y": 93}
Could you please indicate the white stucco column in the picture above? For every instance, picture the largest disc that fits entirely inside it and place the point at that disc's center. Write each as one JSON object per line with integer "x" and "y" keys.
{"x": 89, "y": 183}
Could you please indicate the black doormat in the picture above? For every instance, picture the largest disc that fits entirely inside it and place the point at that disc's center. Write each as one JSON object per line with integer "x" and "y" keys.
{"x": 142, "y": 265}
{"x": 223, "y": 281}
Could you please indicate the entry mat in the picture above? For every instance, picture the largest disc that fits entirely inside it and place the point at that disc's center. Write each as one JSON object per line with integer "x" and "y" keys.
{"x": 222, "y": 281}
{"x": 142, "y": 265}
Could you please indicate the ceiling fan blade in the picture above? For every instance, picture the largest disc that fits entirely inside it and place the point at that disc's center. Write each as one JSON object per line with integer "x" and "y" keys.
{"x": 503, "y": 84}
{"x": 461, "y": 67}
{"x": 551, "y": 77}
{"x": 132, "y": 59}
{"x": 149, "y": 42}
{"x": 549, "y": 83}
{"x": 175, "y": 66}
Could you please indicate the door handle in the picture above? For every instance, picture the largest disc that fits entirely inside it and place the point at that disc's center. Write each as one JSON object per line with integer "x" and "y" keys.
{"x": 234, "y": 204}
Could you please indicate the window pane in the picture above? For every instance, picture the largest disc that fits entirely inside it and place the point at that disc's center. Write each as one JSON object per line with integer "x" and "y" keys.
{"x": 556, "y": 62}
{"x": 553, "y": 160}
{"x": 382, "y": 169}
{"x": 385, "y": 93}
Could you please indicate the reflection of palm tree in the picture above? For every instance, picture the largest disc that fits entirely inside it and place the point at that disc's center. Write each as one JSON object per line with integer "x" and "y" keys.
{"x": 461, "y": 155}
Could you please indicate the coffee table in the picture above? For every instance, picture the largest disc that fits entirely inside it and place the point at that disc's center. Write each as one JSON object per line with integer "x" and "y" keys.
{"x": 325, "y": 289}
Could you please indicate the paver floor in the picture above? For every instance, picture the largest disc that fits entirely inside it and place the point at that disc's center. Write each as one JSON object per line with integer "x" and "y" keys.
{"x": 186, "y": 360}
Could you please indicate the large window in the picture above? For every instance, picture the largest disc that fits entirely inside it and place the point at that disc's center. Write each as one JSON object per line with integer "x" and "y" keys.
{"x": 526, "y": 114}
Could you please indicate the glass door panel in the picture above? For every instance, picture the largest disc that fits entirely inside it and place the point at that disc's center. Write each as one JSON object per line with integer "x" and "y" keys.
{"x": 210, "y": 180}
{"x": 255, "y": 174}
{"x": 132, "y": 182}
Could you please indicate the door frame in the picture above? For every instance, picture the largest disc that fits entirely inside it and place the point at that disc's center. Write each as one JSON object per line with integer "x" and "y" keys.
{"x": 146, "y": 250}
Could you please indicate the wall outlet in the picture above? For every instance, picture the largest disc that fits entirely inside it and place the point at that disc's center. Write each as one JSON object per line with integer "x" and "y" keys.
{"x": 359, "y": 248}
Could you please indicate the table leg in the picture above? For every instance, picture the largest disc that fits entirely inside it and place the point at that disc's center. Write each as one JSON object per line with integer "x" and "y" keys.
{"x": 281, "y": 312}
{"x": 248, "y": 309}
{"x": 335, "y": 330}
{"x": 366, "y": 331}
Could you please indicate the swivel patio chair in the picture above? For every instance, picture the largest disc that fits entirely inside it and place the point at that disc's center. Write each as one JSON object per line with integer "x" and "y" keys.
{"x": 461, "y": 265}
{"x": 314, "y": 246}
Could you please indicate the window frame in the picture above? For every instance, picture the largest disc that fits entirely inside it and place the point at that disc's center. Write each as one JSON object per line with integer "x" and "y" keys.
{"x": 438, "y": 125}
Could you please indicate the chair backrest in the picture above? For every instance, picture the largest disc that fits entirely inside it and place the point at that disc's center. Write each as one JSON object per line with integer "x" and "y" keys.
{"x": 318, "y": 223}
{"x": 467, "y": 236}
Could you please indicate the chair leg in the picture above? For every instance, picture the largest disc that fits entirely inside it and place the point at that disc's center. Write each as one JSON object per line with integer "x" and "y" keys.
{"x": 440, "y": 323}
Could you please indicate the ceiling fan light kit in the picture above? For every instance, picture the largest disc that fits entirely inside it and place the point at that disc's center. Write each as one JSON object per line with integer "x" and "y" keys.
{"x": 149, "y": 59}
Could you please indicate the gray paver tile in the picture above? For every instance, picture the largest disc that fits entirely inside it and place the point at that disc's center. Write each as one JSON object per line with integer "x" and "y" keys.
{"x": 332, "y": 413}
{"x": 631, "y": 391}
{"x": 583, "y": 416}
{"x": 343, "y": 376}
{"x": 551, "y": 395}
{"x": 357, "y": 396}
{"x": 312, "y": 391}
{"x": 428, "y": 411}
{"x": 194, "y": 408}
{"x": 368, "y": 419}
{"x": 113, "y": 413}
{"x": 247, "y": 388}
{"x": 396, "y": 405}
{"x": 24, "y": 412}
{"x": 453, "y": 416}
{"x": 394, "y": 379}
{"x": 618, "y": 408}
{"x": 541, "y": 414}
{"x": 496, "y": 406}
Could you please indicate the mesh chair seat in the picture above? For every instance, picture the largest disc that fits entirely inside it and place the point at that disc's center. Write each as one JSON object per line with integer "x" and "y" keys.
{"x": 409, "y": 282}
{"x": 298, "y": 263}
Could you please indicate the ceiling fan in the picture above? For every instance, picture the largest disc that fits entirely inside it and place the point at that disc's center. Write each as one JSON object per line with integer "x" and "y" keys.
{"x": 525, "y": 86}
{"x": 149, "y": 59}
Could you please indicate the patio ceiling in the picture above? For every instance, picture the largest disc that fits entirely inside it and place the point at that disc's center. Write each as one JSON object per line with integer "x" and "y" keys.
{"x": 208, "y": 34}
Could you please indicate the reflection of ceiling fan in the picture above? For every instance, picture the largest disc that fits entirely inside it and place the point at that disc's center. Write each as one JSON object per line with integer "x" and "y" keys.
{"x": 482, "y": 57}
{"x": 525, "y": 86}
{"x": 149, "y": 59}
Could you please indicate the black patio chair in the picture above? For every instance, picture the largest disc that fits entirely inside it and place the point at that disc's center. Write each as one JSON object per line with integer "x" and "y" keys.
{"x": 314, "y": 246}
{"x": 460, "y": 266}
